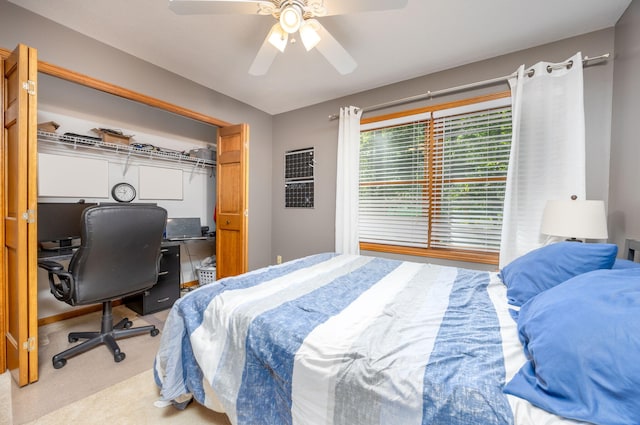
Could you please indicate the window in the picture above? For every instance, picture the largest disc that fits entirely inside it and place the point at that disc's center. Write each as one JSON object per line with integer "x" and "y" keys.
{"x": 432, "y": 181}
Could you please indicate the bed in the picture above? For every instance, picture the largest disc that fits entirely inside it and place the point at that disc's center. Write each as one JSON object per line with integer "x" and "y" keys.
{"x": 346, "y": 339}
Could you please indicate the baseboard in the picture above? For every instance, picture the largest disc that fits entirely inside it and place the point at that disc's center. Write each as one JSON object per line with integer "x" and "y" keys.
{"x": 190, "y": 284}
{"x": 79, "y": 311}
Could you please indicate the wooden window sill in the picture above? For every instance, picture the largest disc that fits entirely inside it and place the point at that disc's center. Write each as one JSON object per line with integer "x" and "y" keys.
{"x": 447, "y": 254}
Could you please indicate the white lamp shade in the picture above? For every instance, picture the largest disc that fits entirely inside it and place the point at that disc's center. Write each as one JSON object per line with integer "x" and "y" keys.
{"x": 575, "y": 219}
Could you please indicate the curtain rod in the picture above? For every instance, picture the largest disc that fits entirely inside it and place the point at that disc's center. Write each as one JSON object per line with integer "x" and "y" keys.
{"x": 492, "y": 81}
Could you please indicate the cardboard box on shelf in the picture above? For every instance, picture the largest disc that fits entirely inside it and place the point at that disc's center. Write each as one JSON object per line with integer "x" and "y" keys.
{"x": 203, "y": 153}
{"x": 49, "y": 126}
{"x": 113, "y": 136}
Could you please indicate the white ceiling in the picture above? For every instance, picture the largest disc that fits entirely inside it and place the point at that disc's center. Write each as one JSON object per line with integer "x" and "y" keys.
{"x": 425, "y": 37}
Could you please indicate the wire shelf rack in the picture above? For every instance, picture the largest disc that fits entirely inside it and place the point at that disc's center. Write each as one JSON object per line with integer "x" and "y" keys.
{"x": 144, "y": 151}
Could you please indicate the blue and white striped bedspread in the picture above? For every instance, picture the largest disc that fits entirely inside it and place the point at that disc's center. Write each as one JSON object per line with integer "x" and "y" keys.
{"x": 340, "y": 339}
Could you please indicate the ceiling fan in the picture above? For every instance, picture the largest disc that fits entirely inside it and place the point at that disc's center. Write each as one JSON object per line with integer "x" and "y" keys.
{"x": 293, "y": 16}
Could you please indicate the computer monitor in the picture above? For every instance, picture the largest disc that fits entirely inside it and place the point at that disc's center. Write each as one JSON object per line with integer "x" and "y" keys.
{"x": 60, "y": 223}
{"x": 183, "y": 228}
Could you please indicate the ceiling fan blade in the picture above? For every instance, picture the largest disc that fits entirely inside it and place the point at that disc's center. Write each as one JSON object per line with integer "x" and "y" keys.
{"x": 264, "y": 58}
{"x": 341, "y": 7}
{"x": 334, "y": 52}
{"x": 214, "y": 7}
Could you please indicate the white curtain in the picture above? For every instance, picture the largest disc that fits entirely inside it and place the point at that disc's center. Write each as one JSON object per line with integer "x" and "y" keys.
{"x": 547, "y": 151}
{"x": 347, "y": 181}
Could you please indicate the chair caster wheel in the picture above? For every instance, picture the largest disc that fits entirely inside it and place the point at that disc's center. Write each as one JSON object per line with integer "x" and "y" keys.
{"x": 72, "y": 339}
{"x": 128, "y": 324}
{"x": 119, "y": 357}
{"x": 59, "y": 364}
{"x": 154, "y": 332}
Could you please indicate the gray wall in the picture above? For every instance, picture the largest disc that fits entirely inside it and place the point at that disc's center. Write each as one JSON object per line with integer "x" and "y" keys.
{"x": 624, "y": 196}
{"x": 301, "y": 232}
{"x": 63, "y": 47}
{"x": 274, "y": 230}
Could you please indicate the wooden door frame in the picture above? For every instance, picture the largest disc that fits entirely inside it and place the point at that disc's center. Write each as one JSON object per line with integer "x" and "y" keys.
{"x": 3, "y": 260}
{"x": 84, "y": 80}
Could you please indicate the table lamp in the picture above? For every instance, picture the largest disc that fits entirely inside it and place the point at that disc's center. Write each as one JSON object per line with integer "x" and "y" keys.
{"x": 574, "y": 219}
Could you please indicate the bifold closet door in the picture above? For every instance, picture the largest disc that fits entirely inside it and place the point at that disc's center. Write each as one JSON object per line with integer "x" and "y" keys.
{"x": 232, "y": 191}
{"x": 19, "y": 273}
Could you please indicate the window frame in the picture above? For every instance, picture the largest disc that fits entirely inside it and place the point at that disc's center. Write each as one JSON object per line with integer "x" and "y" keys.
{"x": 467, "y": 255}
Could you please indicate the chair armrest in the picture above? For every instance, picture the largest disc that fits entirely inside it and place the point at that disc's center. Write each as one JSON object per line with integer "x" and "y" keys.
{"x": 51, "y": 266}
{"x": 63, "y": 287}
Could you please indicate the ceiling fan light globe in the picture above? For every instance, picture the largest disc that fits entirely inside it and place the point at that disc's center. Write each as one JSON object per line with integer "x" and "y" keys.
{"x": 278, "y": 38}
{"x": 291, "y": 18}
{"x": 308, "y": 34}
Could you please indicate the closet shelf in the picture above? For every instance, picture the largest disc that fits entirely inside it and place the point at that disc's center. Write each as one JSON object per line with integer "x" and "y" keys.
{"x": 66, "y": 141}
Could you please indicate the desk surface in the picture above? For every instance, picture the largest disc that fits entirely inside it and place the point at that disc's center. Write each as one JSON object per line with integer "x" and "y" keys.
{"x": 56, "y": 255}
{"x": 195, "y": 239}
{"x": 66, "y": 254}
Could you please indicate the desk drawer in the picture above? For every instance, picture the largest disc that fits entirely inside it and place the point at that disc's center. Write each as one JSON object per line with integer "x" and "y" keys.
{"x": 171, "y": 274}
{"x": 167, "y": 289}
{"x": 161, "y": 296}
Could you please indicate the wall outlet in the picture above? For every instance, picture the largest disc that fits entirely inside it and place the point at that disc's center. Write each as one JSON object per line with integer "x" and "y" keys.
{"x": 278, "y": 259}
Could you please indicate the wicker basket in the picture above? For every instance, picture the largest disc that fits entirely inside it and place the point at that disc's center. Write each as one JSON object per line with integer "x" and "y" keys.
{"x": 206, "y": 275}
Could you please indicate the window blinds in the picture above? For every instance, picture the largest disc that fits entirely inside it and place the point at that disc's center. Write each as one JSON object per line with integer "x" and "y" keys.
{"x": 469, "y": 179}
{"x": 437, "y": 182}
{"x": 394, "y": 203}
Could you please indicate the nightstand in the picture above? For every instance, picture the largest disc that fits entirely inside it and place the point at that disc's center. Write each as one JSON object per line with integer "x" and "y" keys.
{"x": 630, "y": 247}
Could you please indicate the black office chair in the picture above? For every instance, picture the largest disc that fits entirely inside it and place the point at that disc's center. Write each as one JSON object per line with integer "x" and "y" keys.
{"x": 119, "y": 255}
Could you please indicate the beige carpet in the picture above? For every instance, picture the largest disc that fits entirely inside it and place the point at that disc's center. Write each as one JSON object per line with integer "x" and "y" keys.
{"x": 87, "y": 373}
{"x": 129, "y": 402}
{"x": 6, "y": 416}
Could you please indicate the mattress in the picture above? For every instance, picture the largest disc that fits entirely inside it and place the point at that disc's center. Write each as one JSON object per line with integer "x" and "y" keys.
{"x": 345, "y": 339}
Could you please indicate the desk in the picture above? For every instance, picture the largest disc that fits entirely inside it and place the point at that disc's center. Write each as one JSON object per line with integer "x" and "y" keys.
{"x": 161, "y": 296}
{"x": 66, "y": 254}
{"x": 184, "y": 240}
{"x": 193, "y": 253}
{"x": 166, "y": 290}
{"x": 56, "y": 255}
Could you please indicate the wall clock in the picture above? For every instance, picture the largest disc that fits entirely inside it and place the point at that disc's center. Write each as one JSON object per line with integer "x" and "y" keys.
{"x": 123, "y": 192}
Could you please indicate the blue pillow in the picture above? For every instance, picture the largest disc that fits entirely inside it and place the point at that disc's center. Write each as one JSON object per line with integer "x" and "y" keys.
{"x": 624, "y": 264}
{"x": 582, "y": 344}
{"x": 550, "y": 265}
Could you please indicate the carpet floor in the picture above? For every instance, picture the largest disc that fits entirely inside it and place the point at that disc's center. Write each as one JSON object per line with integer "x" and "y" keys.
{"x": 92, "y": 388}
{"x": 6, "y": 411}
{"x": 129, "y": 403}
